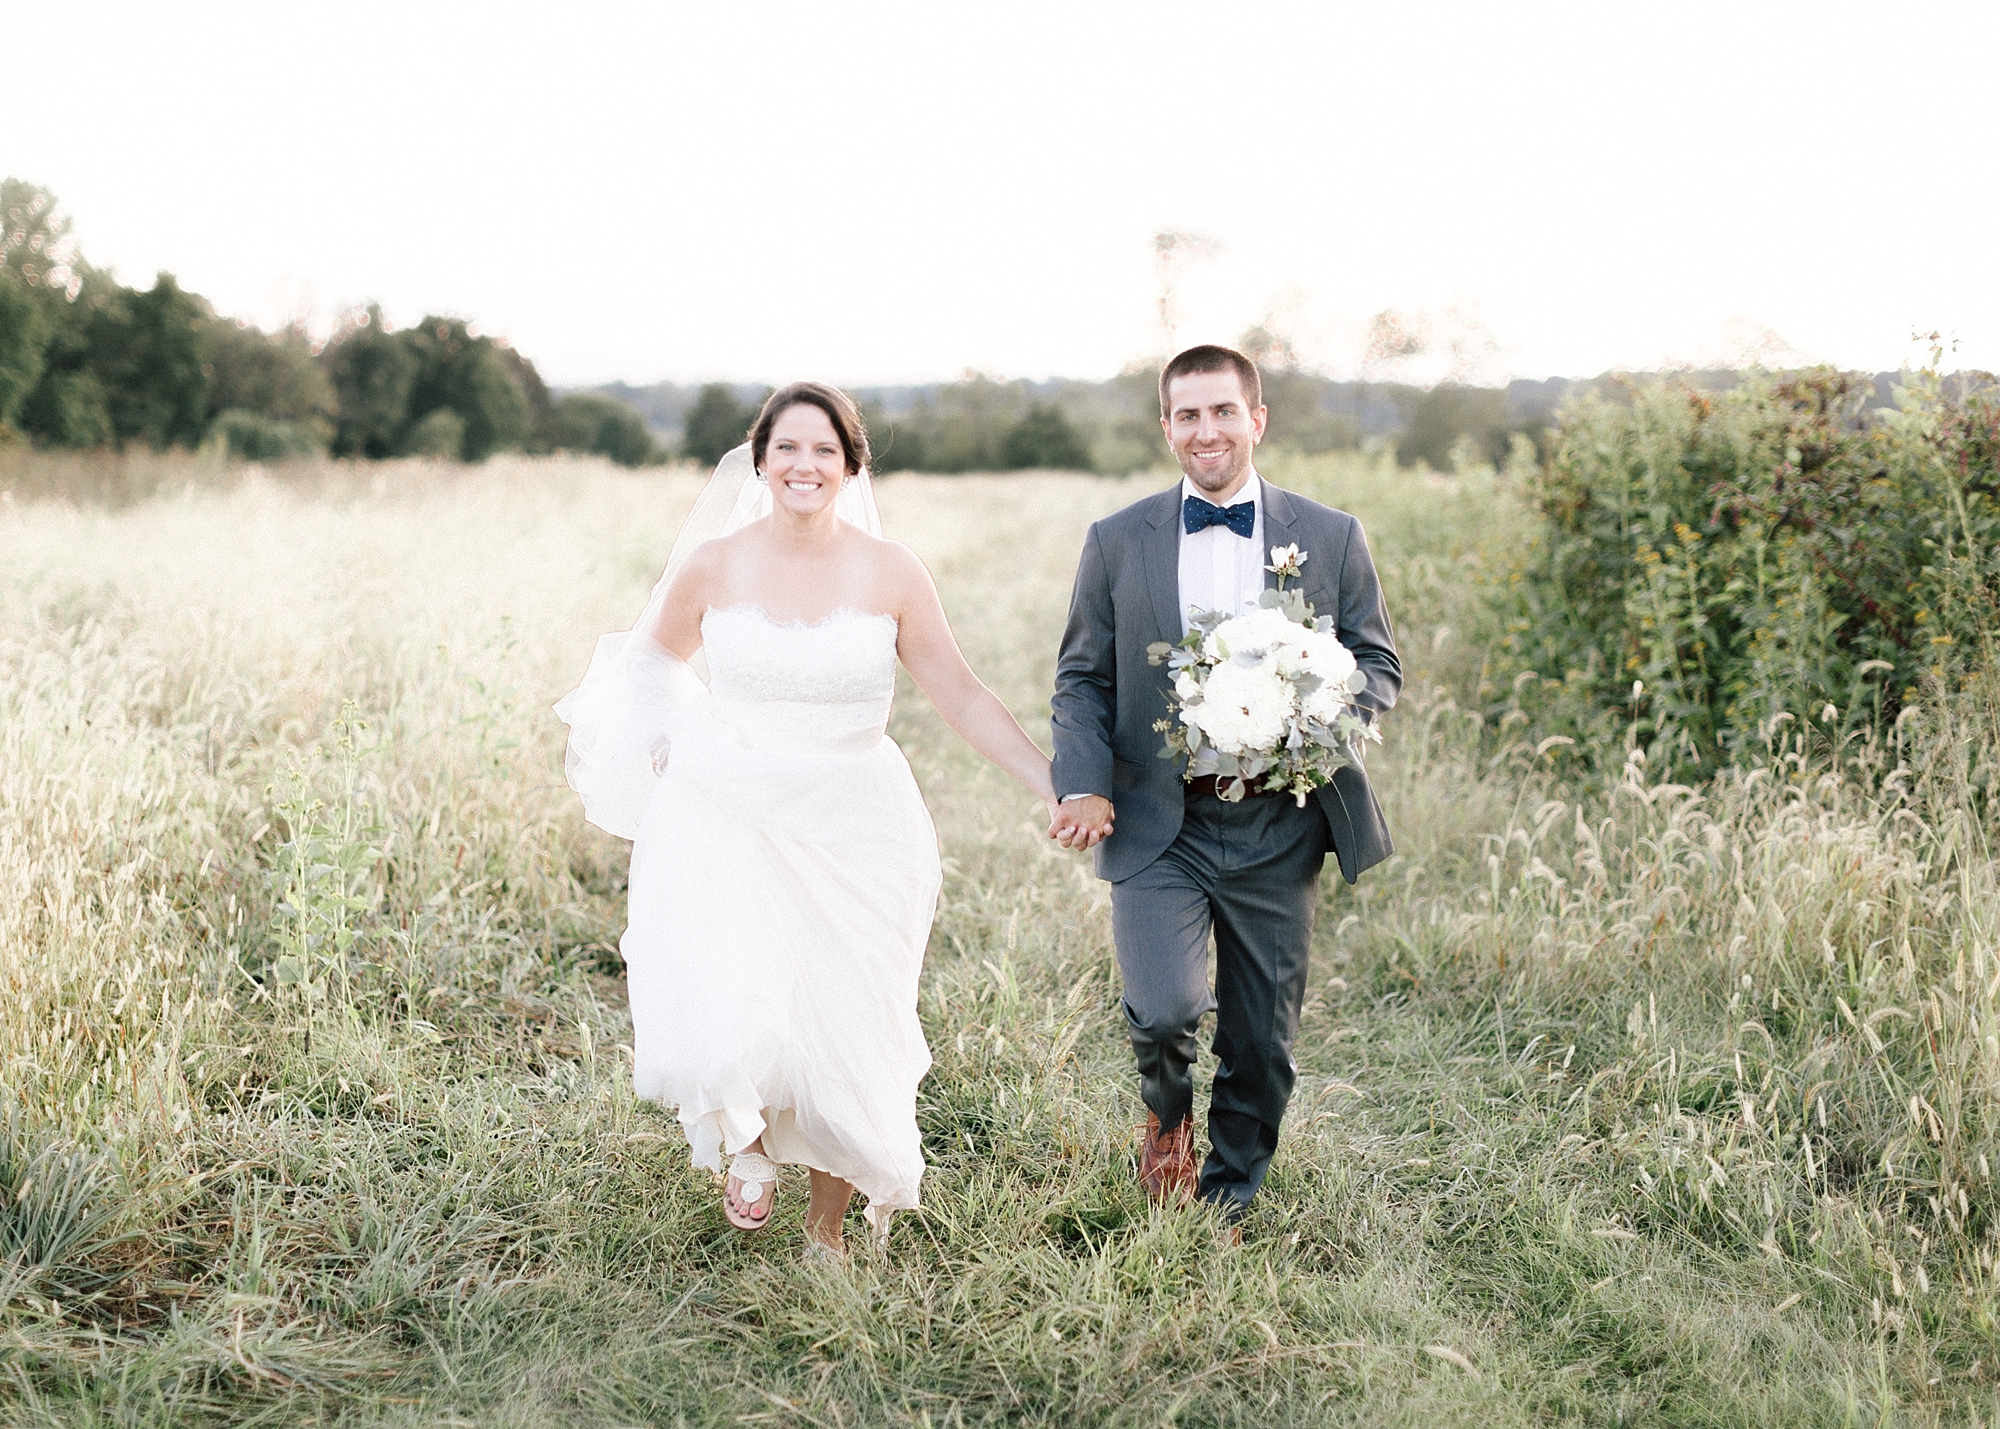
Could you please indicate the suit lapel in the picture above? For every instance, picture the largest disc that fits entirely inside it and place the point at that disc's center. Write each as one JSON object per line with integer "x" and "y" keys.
{"x": 1278, "y": 514}
{"x": 1282, "y": 527}
{"x": 1163, "y": 561}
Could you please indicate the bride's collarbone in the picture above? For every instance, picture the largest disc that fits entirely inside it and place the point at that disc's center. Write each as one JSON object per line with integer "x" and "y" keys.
{"x": 791, "y": 592}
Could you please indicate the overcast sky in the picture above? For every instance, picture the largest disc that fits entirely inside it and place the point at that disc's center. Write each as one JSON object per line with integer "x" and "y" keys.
{"x": 886, "y": 192}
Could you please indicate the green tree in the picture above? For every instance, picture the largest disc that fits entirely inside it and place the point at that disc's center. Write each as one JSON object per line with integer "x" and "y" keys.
{"x": 146, "y": 349}
{"x": 1449, "y": 412}
{"x": 715, "y": 424}
{"x": 1298, "y": 416}
{"x": 471, "y": 376}
{"x": 273, "y": 375}
{"x": 36, "y": 244}
{"x": 23, "y": 334}
{"x": 439, "y": 434}
{"x": 593, "y": 422}
{"x": 67, "y": 409}
{"x": 372, "y": 371}
{"x": 1045, "y": 439}
{"x": 64, "y": 402}
{"x": 256, "y": 437}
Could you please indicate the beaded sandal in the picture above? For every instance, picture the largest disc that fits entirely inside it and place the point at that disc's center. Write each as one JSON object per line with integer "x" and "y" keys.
{"x": 758, "y": 1178}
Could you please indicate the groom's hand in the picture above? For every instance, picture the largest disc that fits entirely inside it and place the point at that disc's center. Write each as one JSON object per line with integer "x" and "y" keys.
{"x": 1082, "y": 823}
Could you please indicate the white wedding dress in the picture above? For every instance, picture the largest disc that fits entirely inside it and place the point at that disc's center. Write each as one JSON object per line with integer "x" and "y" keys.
{"x": 784, "y": 876}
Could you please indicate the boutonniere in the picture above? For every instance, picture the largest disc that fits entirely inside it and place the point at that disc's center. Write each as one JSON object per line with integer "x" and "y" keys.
{"x": 1286, "y": 564}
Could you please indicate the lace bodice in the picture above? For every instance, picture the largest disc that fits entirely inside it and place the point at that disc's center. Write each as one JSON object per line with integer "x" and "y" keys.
{"x": 828, "y": 682}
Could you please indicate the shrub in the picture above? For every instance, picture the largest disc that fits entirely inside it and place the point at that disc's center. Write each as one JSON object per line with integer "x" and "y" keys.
{"x": 1709, "y": 567}
{"x": 716, "y": 424}
{"x": 592, "y": 422}
{"x": 23, "y": 333}
{"x": 1449, "y": 414}
{"x": 251, "y": 371}
{"x": 253, "y": 436}
{"x": 441, "y": 435}
{"x": 372, "y": 373}
{"x": 146, "y": 349}
{"x": 67, "y": 409}
{"x": 474, "y": 378}
{"x": 1044, "y": 439}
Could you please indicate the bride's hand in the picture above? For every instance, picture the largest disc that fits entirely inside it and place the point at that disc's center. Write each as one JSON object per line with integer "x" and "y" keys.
{"x": 1082, "y": 823}
{"x": 660, "y": 752}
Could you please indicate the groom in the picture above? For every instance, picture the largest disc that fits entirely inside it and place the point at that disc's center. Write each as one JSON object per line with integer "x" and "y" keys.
{"x": 1180, "y": 861}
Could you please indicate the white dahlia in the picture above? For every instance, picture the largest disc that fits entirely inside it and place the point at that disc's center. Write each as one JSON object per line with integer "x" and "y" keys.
{"x": 1245, "y": 707}
{"x": 1262, "y": 629}
{"x": 1323, "y": 655}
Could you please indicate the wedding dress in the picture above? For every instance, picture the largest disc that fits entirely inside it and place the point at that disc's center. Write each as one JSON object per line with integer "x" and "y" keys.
{"x": 783, "y": 882}
{"x": 784, "y": 870}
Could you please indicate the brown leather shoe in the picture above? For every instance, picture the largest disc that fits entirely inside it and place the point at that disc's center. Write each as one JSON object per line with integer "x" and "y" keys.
{"x": 1166, "y": 1163}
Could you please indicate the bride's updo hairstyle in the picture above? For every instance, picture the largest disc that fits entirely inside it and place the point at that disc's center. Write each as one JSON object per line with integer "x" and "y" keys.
{"x": 839, "y": 409}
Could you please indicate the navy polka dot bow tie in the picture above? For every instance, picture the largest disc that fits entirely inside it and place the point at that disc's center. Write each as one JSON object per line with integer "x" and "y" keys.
{"x": 1199, "y": 515}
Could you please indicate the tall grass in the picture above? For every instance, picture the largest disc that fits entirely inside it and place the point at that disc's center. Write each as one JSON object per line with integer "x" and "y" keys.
{"x": 1619, "y": 1101}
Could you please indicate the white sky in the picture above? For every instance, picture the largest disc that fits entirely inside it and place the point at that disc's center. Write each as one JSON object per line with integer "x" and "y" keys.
{"x": 871, "y": 192}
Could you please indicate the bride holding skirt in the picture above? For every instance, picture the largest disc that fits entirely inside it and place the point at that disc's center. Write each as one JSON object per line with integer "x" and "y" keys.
{"x": 784, "y": 866}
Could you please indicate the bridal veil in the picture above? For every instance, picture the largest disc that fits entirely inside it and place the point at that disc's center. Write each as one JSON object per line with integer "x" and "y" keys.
{"x": 623, "y": 713}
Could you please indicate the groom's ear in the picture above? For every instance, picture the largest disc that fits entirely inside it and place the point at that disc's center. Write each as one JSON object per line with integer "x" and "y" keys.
{"x": 1259, "y": 419}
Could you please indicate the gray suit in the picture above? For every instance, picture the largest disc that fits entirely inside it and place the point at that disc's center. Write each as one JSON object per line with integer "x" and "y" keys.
{"x": 1183, "y": 862}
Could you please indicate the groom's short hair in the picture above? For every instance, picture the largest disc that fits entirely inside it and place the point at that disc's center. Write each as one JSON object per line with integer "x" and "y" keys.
{"x": 1209, "y": 357}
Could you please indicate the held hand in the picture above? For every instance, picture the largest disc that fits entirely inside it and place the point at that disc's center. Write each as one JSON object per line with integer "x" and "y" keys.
{"x": 660, "y": 752}
{"x": 1082, "y": 823}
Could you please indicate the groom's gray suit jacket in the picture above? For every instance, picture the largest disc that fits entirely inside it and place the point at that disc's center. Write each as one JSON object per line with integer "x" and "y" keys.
{"x": 1107, "y": 695}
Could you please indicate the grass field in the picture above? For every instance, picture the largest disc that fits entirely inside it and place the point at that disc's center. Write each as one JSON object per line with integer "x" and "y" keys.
{"x": 1619, "y": 1102}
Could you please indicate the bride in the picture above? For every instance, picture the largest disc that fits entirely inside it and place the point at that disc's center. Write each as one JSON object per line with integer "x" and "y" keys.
{"x": 784, "y": 867}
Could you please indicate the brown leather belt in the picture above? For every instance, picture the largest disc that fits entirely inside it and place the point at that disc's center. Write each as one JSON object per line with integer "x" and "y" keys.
{"x": 1206, "y": 783}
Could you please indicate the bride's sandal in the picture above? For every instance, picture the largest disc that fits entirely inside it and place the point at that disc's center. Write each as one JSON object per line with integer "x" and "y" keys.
{"x": 757, "y": 1179}
{"x": 819, "y": 1252}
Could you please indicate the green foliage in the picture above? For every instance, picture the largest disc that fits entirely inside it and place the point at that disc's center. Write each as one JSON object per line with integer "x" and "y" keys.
{"x": 1044, "y": 439}
{"x": 716, "y": 425}
{"x": 372, "y": 372}
{"x": 592, "y": 422}
{"x": 1452, "y": 419}
{"x": 252, "y": 436}
{"x": 59, "y": 1207}
{"x": 147, "y": 351}
{"x": 472, "y": 377}
{"x": 85, "y": 361}
{"x": 274, "y": 377}
{"x": 67, "y": 409}
{"x": 37, "y": 246}
{"x": 23, "y": 335}
{"x": 440, "y": 435}
{"x": 1299, "y": 419}
{"x": 1708, "y": 567}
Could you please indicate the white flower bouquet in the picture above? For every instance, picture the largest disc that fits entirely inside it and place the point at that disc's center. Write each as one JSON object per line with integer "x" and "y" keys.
{"x": 1264, "y": 700}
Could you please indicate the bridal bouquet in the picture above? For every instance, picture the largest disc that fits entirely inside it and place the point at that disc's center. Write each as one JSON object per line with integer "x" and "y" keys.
{"x": 1265, "y": 699}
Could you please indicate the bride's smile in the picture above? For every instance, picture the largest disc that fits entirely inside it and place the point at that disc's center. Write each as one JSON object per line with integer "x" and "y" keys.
{"x": 805, "y": 462}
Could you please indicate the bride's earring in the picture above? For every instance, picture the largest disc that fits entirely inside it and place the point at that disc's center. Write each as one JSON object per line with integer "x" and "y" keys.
{"x": 847, "y": 481}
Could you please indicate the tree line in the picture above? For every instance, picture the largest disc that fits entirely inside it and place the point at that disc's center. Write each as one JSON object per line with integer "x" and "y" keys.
{"x": 86, "y": 361}
{"x": 979, "y": 423}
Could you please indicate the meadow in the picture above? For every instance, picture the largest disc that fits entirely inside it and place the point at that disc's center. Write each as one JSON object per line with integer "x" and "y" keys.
{"x": 1621, "y": 1101}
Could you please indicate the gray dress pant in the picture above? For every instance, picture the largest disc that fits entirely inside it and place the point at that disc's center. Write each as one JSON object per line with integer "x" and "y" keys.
{"x": 1250, "y": 872}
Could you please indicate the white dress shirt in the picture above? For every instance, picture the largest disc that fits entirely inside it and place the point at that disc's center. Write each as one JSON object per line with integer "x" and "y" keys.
{"x": 1220, "y": 570}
